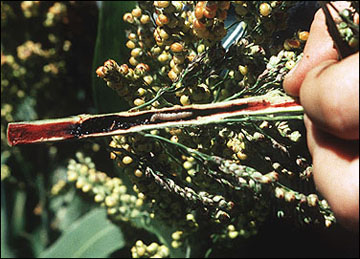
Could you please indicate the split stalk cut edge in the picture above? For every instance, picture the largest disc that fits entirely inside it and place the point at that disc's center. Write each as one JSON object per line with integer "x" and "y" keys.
{"x": 86, "y": 126}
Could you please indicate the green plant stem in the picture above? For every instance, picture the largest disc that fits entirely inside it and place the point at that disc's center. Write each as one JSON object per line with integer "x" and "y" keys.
{"x": 200, "y": 156}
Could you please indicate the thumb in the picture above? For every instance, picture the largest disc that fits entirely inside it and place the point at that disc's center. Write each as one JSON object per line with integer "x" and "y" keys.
{"x": 330, "y": 96}
{"x": 319, "y": 47}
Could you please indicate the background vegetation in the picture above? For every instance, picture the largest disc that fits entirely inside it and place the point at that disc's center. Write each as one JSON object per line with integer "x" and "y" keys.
{"x": 49, "y": 54}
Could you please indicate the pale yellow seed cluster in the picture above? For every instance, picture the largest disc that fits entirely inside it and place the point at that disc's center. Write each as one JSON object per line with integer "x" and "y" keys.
{"x": 177, "y": 238}
{"x": 56, "y": 13}
{"x": 30, "y": 8}
{"x": 107, "y": 191}
{"x": 238, "y": 230}
{"x": 58, "y": 187}
{"x": 153, "y": 250}
{"x": 237, "y": 146}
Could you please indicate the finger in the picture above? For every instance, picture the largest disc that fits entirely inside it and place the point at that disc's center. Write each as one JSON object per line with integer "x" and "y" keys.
{"x": 319, "y": 47}
{"x": 330, "y": 97}
{"x": 336, "y": 173}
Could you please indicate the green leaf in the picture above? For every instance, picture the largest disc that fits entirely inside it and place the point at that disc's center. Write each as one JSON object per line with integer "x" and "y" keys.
{"x": 5, "y": 250}
{"x": 17, "y": 223}
{"x": 110, "y": 44}
{"x": 92, "y": 236}
{"x": 68, "y": 208}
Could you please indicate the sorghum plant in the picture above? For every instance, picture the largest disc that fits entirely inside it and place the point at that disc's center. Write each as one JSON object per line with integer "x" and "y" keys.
{"x": 224, "y": 177}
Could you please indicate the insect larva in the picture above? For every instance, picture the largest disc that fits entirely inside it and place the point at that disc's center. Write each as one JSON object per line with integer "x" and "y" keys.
{"x": 112, "y": 126}
{"x": 170, "y": 116}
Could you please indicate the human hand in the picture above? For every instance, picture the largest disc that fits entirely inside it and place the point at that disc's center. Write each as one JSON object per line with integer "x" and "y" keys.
{"x": 329, "y": 92}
